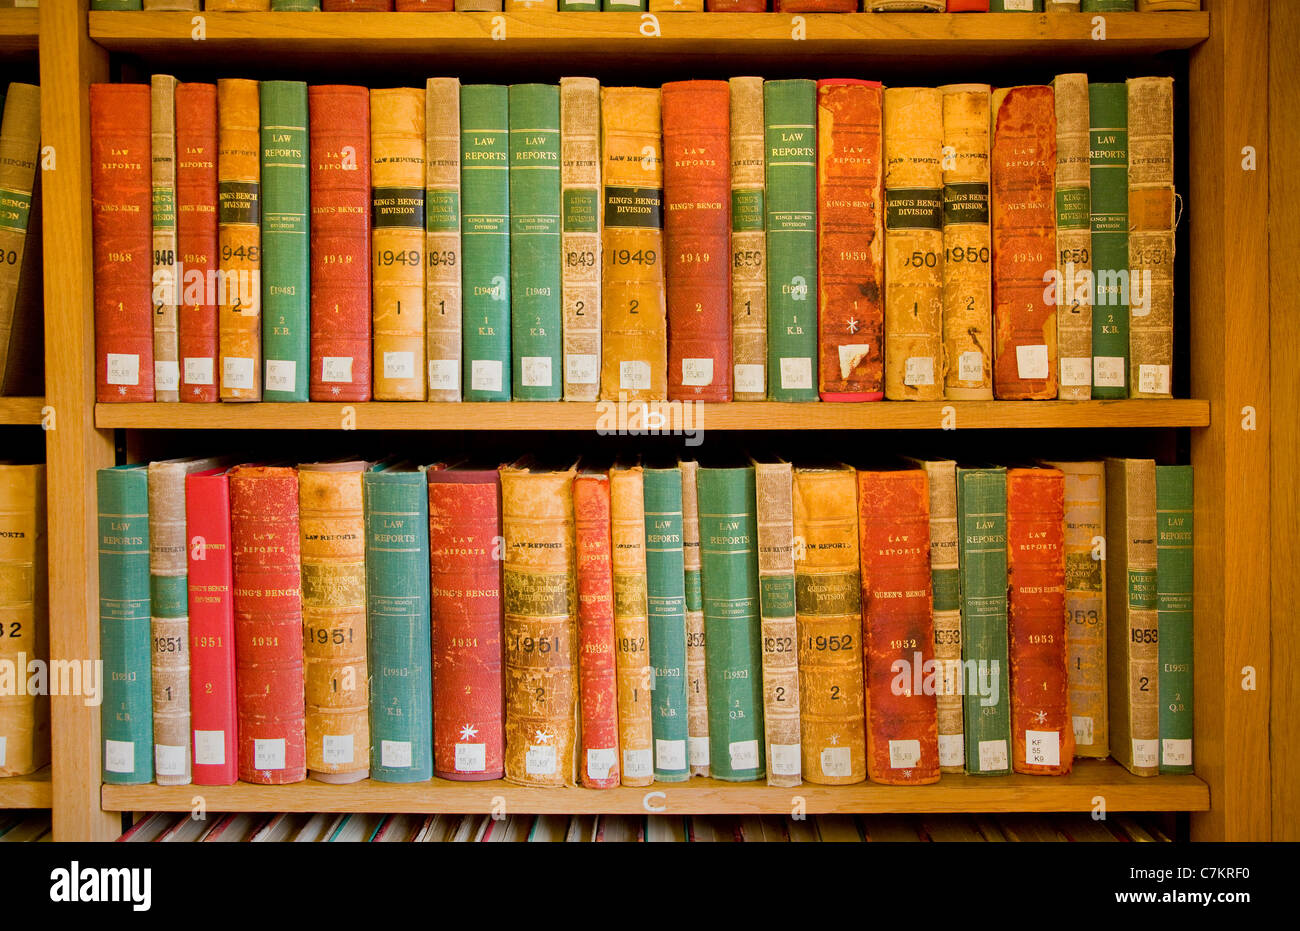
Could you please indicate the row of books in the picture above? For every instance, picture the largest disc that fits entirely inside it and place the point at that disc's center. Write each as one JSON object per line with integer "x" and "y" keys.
{"x": 23, "y": 827}
{"x": 654, "y": 6}
{"x": 21, "y": 288}
{"x": 642, "y": 624}
{"x": 790, "y": 240}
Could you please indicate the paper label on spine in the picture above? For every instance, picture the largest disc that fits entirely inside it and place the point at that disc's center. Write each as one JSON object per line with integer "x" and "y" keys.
{"x": 485, "y": 375}
{"x": 600, "y": 762}
{"x": 918, "y": 370}
{"x": 281, "y": 374}
{"x": 581, "y": 368}
{"x": 837, "y": 762}
{"x": 750, "y": 379}
{"x": 237, "y": 372}
{"x": 1153, "y": 379}
{"x": 744, "y": 754}
{"x": 796, "y": 373}
{"x": 1082, "y": 729}
{"x": 1108, "y": 371}
{"x": 539, "y": 760}
{"x": 698, "y": 748}
{"x": 119, "y": 756}
{"x": 785, "y": 759}
{"x": 1043, "y": 748}
{"x": 168, "y": 760}
{"x": 1076, "y": 372}
{"x": 697, "y": 372}
{"x": 336, "y": 748}
{"x": 471, "y": 758}
{"x": 444, "y": 374}
{"x": 123, "y": 369}
{"x": 399, "y": 365}
{"x": 166, "y": 376}
{"x": 209, "y": 748}
{"x": 1031, "y": 361}
{"x": 1176, "y": 752}
{"x": 268, "y": 754}
{"x": 850, "y": 355}
{"x": 634, "y": 375}
{"x": 970, "y": 366}
{"x": 993, "y": 755}
{"x": 1146, "y": 752}
{"x": 336, "y": 370}
{"x": 3, "y": 742}
{"x": 535, "y": 371}
{"x": 952, "y": 750}
{"x": 638, "y": 763}
{"x": 198, "y": 371}
{"x": 904, "y": 754}
{"x": 670, "y": 754}
{"x": 395, "y": 754}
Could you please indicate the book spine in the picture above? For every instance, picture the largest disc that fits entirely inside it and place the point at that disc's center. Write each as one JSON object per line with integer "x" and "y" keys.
{"x": 666, "y": 606}
{"x": 1151, "y": 236}
{"x": 442, "y": 290}
{"x": 1065, "y": 6}
{"x": 121, "y": 205}
{"x": 1015, "y": 6}
{"x": 1108, "y": 184}
{"x": 815, "y": 6}
{"x": 166, "y": 372}
{"x": 697, "y": 681}
{"x": 212, "y": 629}
{"x": 580, "y": 238}
{"x": 1174, "y": 615}
{"x": 466, "y": 606}
{"x": 397, "y": 626}
{"x": 967, "y": 279}
{"x": 268, "y": 625}
{"x": 478, "y": 6}
{"x": 169, "y": 623}
{"x": 790, "y": 126}
{"x": 536, "y": 309}
{"x": 293, "y": 6}
{"x": 25, "y": 717}
{"x": 540, "y": 627}
{"x": 697, "y": 238}
{"x": 239, "y": 218}
{"x": 485, "y": 241}
{"x": 623, "y": 5}
{"x": 897, "y": 626}
{"x": 1042, "y": 732}
{"x": 632, "y": 625}
{"x": 850, "y": 241}
{"x": 397, "y": 242}
{"x": 1106, "y": 6}
{"x": 748, "y": 240}
{"x": 982, "y": 558}
{"x": 773, "y": 493}
{"x": 599, "y": 767}
{"x": 126, "y": 718}
{"x": 238, "y": 6}
{"x": 357, "y": 6}
{"x": 424, "y": 6}
{"x": 340, "y": 243}
{"x": 729, "y": 561}
{"x": 1073, "y": 238}
{"x": 581, "y": 6}
{"x": 523, "y": 6}
{"x": 196, "y": 238}
{"x": 634, "y": 326}
{"x": 736, "y": 6}
{"x": 676, "y": 6}
{"x": 945, "y": 582}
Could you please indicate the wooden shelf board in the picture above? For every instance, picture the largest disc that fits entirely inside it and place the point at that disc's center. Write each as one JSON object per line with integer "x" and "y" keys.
{"x": 18, "y": 31}
{"x": 607, "y": 416}
{"x": 21, "y": 410}
{"x": 1076, "y": 792}
{"x": 26, "y": 791}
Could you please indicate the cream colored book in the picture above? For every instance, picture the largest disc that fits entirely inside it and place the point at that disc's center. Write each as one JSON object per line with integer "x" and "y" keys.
{"x": 1073, "y": 238}
{"x": 442, "y": 285}
{"x": 748, "y": 241}
{"x": 166, "y": 369}
{"x": 580, "y": 235}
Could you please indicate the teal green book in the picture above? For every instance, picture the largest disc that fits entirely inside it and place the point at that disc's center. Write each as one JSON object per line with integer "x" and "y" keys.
{"x": 733, "y": 661}
{"x": 666, "y": 588}
{"x": 1106, "y": 6}
{"x": 1108, "y": 144}
{"x": 397, "y": 623}
{"x": 126, "y": 715}
{"x": 485, "y": 241}
{"x": 982, "y": 565}
{"x": 116, "y": 5}
{"x": 624, "y": 5}
{"x": 1015, "y": 6}
{"x": 536, "y": 311}
{"x": 790, "y": 131}
{"x": 1174, "y": 615}
{"x": 295, "y": 6}
{"x": 286, "y": 241}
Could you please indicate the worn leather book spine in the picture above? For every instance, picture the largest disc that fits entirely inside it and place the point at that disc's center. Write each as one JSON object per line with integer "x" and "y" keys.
{"x": 1151, "y": 203}
{"x": 238, "y": 6}
{"x": 24, "y": 717}
{"x": 898, "y": 626}
{"x": 815, "y": 6}
{"x": 466, "y": 610}
{"x": 580, "y": 236}
{"x": 397, "y": 242}
{"x": 523, "y": 6}
{"x": 120, "y": 210}
{"x": 666, "y": 612}
{"x": 748, "y": 238}
{"x": 268, "y": 624}
{"x": 634, "y": 326}
{"x": 424, "y": 6}
{"x": 340, "y": 242}
{"x": 850, "y": 241}
{"x": 773, "y": 493}
{"x": 697, "y": 680}
{"x": 239, "y": 231}
{"x": 442, "y": 287}
{"x": 967, "y": 281}
{"x": 828, "y": 599}
{"x": 1042, "y": 732}
{"x": 1174, "y": 596}
{"x": 541, "y": 636}
{"x": 1073, "y": 238}
{"x": 945, "y": 583}
{"x": 357, "y": 6}
{"x": 162, "y": 89}
{"x": 631, "y": 625}
{"x": 597, "y": 667}
{"x": 915, "y": 366}
{"x": 197, "y": 248}
{"x": 697, "y": 238}
{"x": 1108, "y": 184}
{"x": 478, "y": 6}
{"x": 1023, "y": 222}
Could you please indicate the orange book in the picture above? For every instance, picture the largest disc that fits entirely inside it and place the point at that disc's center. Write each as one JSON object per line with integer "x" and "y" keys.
{"x": 239, "y": 232}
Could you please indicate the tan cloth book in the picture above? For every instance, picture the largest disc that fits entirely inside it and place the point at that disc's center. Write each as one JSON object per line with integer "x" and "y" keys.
{"x": 580, "y": 236}
{"x": 442, "y": 285}
{"x": 631, "y": 625}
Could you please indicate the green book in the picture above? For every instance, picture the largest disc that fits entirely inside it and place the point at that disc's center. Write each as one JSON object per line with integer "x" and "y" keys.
{"x": 295, "y": 6}
{"x": 1015, "y": 6}
{"x": 790, "y": 130}
{"x": 535, "y": 313}
{"x": 485, "y": 240}
{"x": 624, "y": 5}
{"x": 666, "y": 589}
{"x": 1174, "y": 615}
{"x": 583, "y": 6}
{"x": 1108, "y": 143}
{"x": 729, "y": 564}
{"x": 982, "y": 564}
{"x": 286, "y": 241}
{"x": 126, "y": 715}
{"x": 397, "y": 623}
{"x": 1106, "y": 6}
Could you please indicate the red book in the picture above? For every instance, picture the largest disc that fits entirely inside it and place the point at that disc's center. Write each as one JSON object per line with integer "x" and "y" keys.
{"x": 898, "y": 627}
{"x": 737, "y": 6}
{"x": 1041, "y": 728}
{"x": 697, "y": 238}
{"x": 850, "y": 241}
{"x": 268, "y": 624}
{"x": 465, "y": 560}
{"x": 196, "y": 237}
{"x": 816, "y": 6}
{"x": 340, "y": 242}
{"x": 425, "y": 6}
{"x": 968, "y": 6}
{"x": 597, "y": 675}
{"x": 121, "y": 208}
{"x": 212, "y": 627}
{"x": 356, "y": 6}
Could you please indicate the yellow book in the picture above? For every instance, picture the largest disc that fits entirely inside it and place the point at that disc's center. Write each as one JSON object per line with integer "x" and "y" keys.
{"x": 25, "y": 718}
{"x": 239, "y": 233}
{"x": 631, "y": 624}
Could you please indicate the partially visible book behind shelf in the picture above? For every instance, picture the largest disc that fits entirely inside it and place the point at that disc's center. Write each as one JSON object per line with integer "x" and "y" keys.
{"x": 24, "y": 636}
{"x": 22, "y": 322}
{"x": 653, "y": 6}
{"x": 24, "y": 827}
{"x": 633, "y": 624}
{"x": 787, "y": 240}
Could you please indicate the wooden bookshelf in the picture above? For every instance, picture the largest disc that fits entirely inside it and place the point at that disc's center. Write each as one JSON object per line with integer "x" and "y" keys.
{"x": 21, "y": 410}
{"x": 34, "y": 791}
